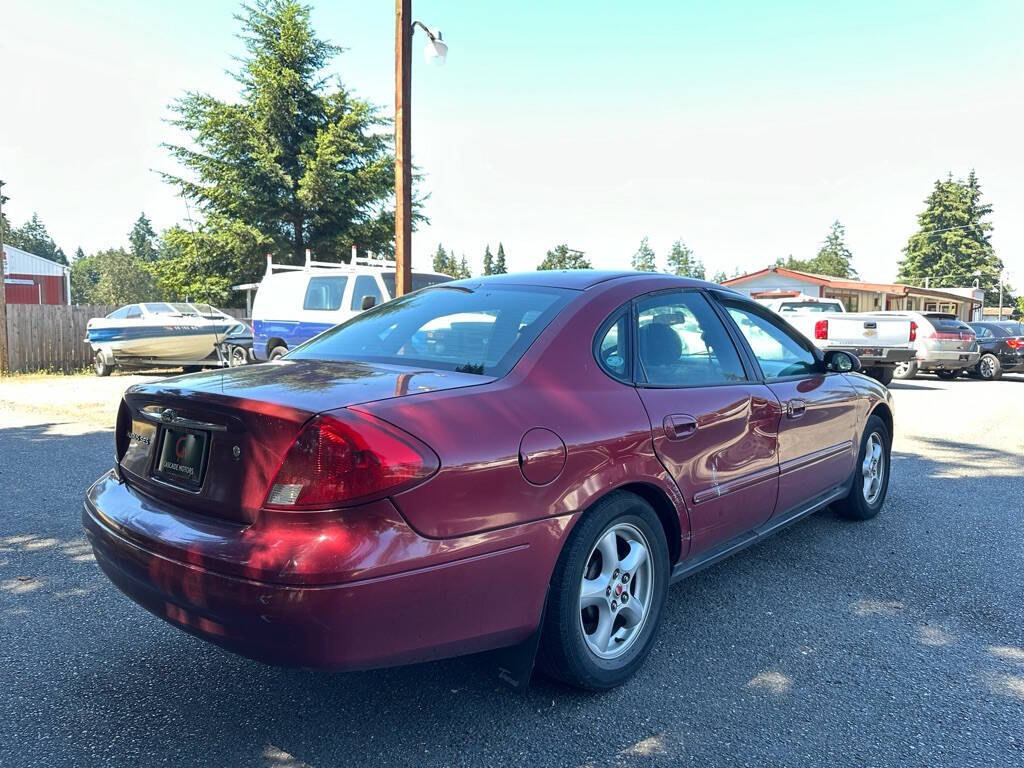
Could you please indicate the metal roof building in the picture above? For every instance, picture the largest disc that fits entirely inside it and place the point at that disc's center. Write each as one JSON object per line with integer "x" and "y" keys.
{"x": 31, "y": 279}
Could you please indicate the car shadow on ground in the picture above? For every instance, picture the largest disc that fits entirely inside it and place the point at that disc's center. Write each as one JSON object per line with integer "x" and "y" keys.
{"x": 833, "y": 631}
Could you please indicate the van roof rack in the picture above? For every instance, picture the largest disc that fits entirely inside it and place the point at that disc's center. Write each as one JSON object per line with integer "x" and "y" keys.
{"x": 370, "y": 260}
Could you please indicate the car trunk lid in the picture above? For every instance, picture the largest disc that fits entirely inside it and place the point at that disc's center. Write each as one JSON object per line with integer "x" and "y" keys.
{"x": 212, "y": 442}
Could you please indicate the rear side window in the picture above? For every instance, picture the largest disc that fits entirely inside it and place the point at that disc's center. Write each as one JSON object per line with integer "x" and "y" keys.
{"x": 483, "y": 331}
{"x": 419, "y": 280}
{"x": 682, "y": 343}
{"x": 612, "y": 346}
{"x": 365, "y": 285}
{"x": 325, "y": 293}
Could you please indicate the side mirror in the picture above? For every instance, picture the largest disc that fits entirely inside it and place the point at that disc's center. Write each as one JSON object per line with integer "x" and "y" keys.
{"x": 368, "y": 302}
{"x": 842, "y": 362}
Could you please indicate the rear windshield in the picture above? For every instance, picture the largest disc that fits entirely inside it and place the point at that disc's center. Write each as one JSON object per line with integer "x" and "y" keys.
{"x": 948, "y": 324}
{"x": 483, "y": 331}
{"x": 1008, "y": 329}
{"x": 419, "y": 280}
{"x": 810, "y": 306}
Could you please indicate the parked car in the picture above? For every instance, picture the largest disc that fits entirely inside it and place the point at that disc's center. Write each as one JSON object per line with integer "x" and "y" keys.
{"x": 294, "y": 304}
{"x": 1002, "y": 348}
{"x": 235, "y": 347}
{"x": 573, "y": 443}
{"x": 881, "y": 343}
{"x": 945, "y": 345}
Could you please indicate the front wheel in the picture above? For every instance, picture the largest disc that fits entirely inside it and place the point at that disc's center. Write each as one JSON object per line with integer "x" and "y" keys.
{"x": 870, "y": 476}
{"x": 989, "y": 367}
{"x": 607, "y": 595}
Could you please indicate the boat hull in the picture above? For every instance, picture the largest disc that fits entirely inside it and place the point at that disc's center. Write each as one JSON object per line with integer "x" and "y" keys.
{"x": 177, "y": 342}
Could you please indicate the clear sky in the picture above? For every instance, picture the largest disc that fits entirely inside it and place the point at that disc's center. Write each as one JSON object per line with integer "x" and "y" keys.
{"x": 742, "y": 128}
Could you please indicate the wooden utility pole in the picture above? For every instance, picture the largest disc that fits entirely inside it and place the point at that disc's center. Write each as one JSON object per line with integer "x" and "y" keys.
{"x": 5, "y": 360}
{"x": 403, "y": 147}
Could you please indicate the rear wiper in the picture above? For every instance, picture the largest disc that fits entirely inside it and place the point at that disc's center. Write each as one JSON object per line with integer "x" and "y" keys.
{"x": 461, "y": 288}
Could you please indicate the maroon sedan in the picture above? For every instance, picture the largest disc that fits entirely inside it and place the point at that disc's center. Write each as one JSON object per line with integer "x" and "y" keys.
{"x": 522, "y": 460}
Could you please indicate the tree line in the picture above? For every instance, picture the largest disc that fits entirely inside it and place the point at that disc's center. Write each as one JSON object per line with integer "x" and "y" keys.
{"x": 298, "y": 161}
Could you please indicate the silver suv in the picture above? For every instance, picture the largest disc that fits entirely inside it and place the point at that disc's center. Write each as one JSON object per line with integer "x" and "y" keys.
{"x": 945, "y": 345}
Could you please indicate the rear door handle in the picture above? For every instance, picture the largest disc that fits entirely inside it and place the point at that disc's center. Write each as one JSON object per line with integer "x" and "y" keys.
{"x": 679, "y": 426}
{"x": 795, "y": 408}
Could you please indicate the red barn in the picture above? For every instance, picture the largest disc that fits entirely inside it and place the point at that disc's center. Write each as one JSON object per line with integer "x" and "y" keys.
{"x": 31, "y": 279}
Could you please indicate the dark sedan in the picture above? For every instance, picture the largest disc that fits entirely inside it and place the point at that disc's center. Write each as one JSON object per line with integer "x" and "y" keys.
{"x": 518, "y": 461}
{"x": 1002, "y": 348}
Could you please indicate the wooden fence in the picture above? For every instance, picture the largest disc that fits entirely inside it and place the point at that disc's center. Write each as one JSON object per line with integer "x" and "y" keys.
{"x": 43, "y": 337}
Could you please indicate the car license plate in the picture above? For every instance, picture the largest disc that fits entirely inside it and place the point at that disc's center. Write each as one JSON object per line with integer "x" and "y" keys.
{"x": 182, "y": 457}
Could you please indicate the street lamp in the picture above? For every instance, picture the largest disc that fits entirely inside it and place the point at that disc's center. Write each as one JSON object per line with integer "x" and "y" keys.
{"x": 435, "y": 52}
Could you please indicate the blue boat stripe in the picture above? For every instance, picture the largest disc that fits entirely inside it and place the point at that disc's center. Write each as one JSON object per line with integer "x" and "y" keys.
{"x": 104, "y": 335}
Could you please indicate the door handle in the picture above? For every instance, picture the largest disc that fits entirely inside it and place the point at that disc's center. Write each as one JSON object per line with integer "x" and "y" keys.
{"x": 679, "y": 426}
{"x": 795, "y": 408}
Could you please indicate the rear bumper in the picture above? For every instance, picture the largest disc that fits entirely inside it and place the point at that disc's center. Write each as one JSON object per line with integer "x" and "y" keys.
{"x": 352, "y": 593}
{"x": 950, "y": 361}
{"x": 872, "y": 357}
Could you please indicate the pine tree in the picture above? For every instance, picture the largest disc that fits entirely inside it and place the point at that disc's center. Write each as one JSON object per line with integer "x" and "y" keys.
{"x": 952, "y": 245}
{"x": 833, "y": 257}
{"x": 500, "y": 268}
{"x": 297, "y": 160}
{"x": 682, "y": 263}
{"x": 142, "y": 240}
{"x": 443, "y": 263}
{"x": 463, "y": 268}
{"x": 488, "y": 261}
{"x": 719, "y": 277}
{"x": 643, "y": 259}
{"x": 79, "y": 253}
{"x": 563, "y": 257}
{"x": 33, "y": 237}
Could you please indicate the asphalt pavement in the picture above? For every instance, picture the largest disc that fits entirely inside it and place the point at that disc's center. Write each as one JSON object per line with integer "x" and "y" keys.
{"x": 898, "y": 641}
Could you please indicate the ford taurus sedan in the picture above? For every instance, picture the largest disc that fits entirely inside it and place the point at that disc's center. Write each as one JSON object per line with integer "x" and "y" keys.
{"x": 522, "y": 461}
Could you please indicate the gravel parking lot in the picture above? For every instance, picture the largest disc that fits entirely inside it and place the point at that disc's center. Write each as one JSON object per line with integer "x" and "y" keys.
{"x": 898, "y": 641}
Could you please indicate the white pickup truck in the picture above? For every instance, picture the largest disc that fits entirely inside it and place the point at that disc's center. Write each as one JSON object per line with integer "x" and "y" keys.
{"x": 881, "y": 342}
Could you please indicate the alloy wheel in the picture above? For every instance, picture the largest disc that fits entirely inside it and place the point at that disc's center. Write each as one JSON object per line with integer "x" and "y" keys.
{"x": 616, "y": 591}
{"x": 873, "y": 468}
{"x": 988, "y": 368}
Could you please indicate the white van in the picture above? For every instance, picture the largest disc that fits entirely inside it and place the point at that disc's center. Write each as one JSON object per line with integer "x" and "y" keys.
{"x": 294, "y": 304}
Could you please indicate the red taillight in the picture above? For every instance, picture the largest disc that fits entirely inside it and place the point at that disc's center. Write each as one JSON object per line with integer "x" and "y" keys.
{"x": 821, "y": 329}
{"x": 913, "y": 331}
{"x": 1015, "y": 343}
{"x": 348, "y": 458}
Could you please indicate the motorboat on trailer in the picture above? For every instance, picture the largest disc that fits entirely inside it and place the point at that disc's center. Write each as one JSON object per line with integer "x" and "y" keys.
{"x": 158, "y": 333}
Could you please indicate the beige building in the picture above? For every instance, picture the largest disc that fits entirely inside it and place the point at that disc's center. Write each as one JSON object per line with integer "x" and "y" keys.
{"x": 857, "y": 295}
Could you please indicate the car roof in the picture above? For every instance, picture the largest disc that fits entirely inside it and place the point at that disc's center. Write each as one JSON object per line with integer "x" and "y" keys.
{"x": 582, "y": 279}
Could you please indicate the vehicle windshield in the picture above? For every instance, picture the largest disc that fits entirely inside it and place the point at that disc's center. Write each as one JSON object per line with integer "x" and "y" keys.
{"x": 810, "y": 306}
{"x": 483, "y": 331}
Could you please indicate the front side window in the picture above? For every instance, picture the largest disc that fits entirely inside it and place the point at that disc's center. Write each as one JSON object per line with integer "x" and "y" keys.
{"x": 483, "y": 331}
{"x": 366, "y": 285}
{"x": 682, "y": 343}
{"x": 325, "y": 293}
{"x": 779, "y": 353}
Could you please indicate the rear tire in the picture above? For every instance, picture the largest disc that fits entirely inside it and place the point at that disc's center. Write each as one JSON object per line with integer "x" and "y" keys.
{"x": 905, "y": 371}
{"x": 277, "y": 353}
{"x": 882, "y": 374}
{"x": 870, "y": 475}
{"x": 989, "y": 367}
{"x": 597, "y": 640}
{"x": 100, "y": 365}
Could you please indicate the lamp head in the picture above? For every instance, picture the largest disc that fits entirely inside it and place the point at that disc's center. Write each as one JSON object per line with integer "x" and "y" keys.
{"x": 436, "y": 49}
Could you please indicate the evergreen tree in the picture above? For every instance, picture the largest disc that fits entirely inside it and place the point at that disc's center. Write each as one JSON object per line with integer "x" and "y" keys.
{"x": 85, "y": 274}
{"x": 500, "y": 268}
{"x": 488, "y": 261}
{"x": 952, "y": 243}
{"x": 298, "y": 161}
{"x": 719, "y": 277}
{"x": 444, "y": 263}
{"x": 463, "y": 268}
{"x": 643, "y": 259}
{"x": 33, "y": 237}
{"x": 682, "y": 263}
{"x": 563, "y": 257}
{"x": 142, "y": 240}
{"x": 833, "y": 257}
{"x": 79, "y": 254}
